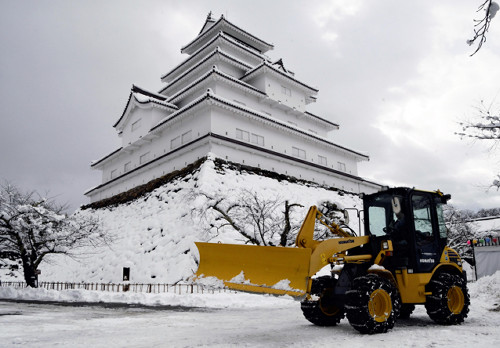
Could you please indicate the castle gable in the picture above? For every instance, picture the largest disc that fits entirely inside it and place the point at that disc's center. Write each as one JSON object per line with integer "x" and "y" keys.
{"x": 237, "y": 33}
{"x": 143, "y": 110}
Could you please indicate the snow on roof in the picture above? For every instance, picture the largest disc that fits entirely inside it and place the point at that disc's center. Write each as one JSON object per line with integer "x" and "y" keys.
{"x": 317, "y": 118}
{"x": 260, "y": 69}
{"x": 217, "y": 52}
{"x": 140, "y": 90}
{"x": 225, "y": 25}
{"x": 221, "y": 36}
{"x": 487, "y": 224}
{"x": 214, "y": 72}
{"x": 143, "y": 96}
{"x": 95, "y": 163}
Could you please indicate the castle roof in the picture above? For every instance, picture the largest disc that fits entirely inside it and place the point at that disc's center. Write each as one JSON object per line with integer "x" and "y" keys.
{"x": 219, "y": 39}
{"x": 211, "y": 58}
{"x": 266, "y": 67}
{"x": 139, "y": 96}
{"x": 224, "y": 25}
{"x": 215, "y": 73}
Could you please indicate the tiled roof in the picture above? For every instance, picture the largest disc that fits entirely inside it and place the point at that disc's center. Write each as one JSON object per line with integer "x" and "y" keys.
{"x": 220, "y": 36}
{"x": 217, "y": 51}
{"x": 322, "y": 119}
{"x": 142, "y": 96}
{"x": 222, "y": 22}
{"x": 265, "y": 64}
{"x": 216, "y": 72}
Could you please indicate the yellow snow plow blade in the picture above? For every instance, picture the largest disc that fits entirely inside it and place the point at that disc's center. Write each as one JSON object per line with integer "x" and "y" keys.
{"x": 261, "y": 269}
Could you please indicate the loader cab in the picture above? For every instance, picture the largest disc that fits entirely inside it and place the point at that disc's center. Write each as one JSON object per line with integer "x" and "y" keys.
{"x": 413, "y": 220}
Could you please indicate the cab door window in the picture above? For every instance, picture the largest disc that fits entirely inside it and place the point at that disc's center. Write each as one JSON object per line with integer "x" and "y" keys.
{"x": 378, "y": 220}
{"x": 422, "y": 217}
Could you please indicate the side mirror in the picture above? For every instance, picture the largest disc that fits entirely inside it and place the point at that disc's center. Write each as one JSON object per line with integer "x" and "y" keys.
{"x": 396, "y": 205}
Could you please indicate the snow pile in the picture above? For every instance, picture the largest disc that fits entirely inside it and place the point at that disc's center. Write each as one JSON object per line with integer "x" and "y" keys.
{"x": 210, "y": 282}
{"x": 486, "y": 292}
{"x": 485, "y": 297}
{"x": 240, "y": 279}
{"x": 155, "y": 234}
{"x": 205, "y": 300}
{"x": 283, "y": 284}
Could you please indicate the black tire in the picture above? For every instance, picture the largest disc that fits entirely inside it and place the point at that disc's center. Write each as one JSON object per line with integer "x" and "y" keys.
{"x": 321, "y": 310}
{"x": 372, "y": 304}
{"x": 406, "y": 310}
{"x": 449, "y": 302}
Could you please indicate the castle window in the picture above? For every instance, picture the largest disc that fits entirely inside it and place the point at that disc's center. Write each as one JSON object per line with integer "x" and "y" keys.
{"x": 341, "y": 166}
{"x": 113, "y": 173}
{"x": 175, "y": 142}
{"x": 298, "y": 152}
{"x": 136, "y": 125}
{"x": 144, "y": 158}
{"x": 186, "y": 137}
{"x": 127, "y": 166}
{"x": 242, "y": 135}
{"x": 257, "y": 139}
{"x": 322, "y": 160}
{"x": 286, "y": 90}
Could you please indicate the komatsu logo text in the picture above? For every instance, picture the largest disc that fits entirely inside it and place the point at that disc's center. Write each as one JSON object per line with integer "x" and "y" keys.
{"x": 427, "y": 260}
{"x": 346, "y": 241}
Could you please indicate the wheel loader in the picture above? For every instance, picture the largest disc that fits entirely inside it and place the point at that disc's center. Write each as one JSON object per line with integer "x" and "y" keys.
{"x": 401, "y": 260}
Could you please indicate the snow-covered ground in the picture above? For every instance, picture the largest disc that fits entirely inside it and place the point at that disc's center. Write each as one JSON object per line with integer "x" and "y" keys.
{"x": 221, "y": 320}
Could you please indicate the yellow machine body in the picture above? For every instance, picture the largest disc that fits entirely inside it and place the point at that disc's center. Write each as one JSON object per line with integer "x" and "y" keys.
{"x": 288, "y": 270}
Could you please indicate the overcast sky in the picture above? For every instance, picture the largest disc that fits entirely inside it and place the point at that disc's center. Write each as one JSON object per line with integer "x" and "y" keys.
{"x": 396, "y": 75}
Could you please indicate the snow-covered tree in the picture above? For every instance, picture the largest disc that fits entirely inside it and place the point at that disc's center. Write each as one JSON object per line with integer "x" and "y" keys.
{"x": 482, "y": 25}
{"x": 259, "y": 220}
{"x": 32, "y": 227}
{"x": 460, "y": 230}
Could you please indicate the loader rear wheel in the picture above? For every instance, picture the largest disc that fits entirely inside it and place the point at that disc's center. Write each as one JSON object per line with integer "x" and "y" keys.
{"x": 372, "y": 304}
{"x": 449, "y": 302}
{"x": 322, "y": 309}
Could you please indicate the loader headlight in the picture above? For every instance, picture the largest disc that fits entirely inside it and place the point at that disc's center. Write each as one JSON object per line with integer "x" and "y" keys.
{"x": 385, "y": 245}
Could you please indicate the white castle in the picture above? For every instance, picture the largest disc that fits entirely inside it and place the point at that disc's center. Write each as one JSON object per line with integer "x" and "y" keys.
{"x": 230, "y": 100}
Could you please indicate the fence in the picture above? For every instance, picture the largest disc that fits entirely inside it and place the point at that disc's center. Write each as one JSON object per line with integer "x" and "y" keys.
{"x": 124, "y": 287}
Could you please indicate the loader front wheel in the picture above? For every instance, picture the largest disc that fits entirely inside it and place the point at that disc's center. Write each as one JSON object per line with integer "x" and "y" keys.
{"x": 449, "y": 302}
{"x": 372, "y": 304}
{"x": 321, "y": 309}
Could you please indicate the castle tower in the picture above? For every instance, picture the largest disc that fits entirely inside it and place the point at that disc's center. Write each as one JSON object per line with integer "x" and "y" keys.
{"x": 228, "y": 99}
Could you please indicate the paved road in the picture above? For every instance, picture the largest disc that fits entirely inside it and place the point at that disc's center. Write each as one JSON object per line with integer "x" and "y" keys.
{"x": 49, "y": 325}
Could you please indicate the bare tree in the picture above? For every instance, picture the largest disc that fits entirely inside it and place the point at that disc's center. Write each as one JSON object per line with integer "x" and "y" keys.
{"x": 484, "y": 126}
{"x": 260, "y": 221}
{"x": 32, "y": 228}
{"x": 482, "y": 25}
